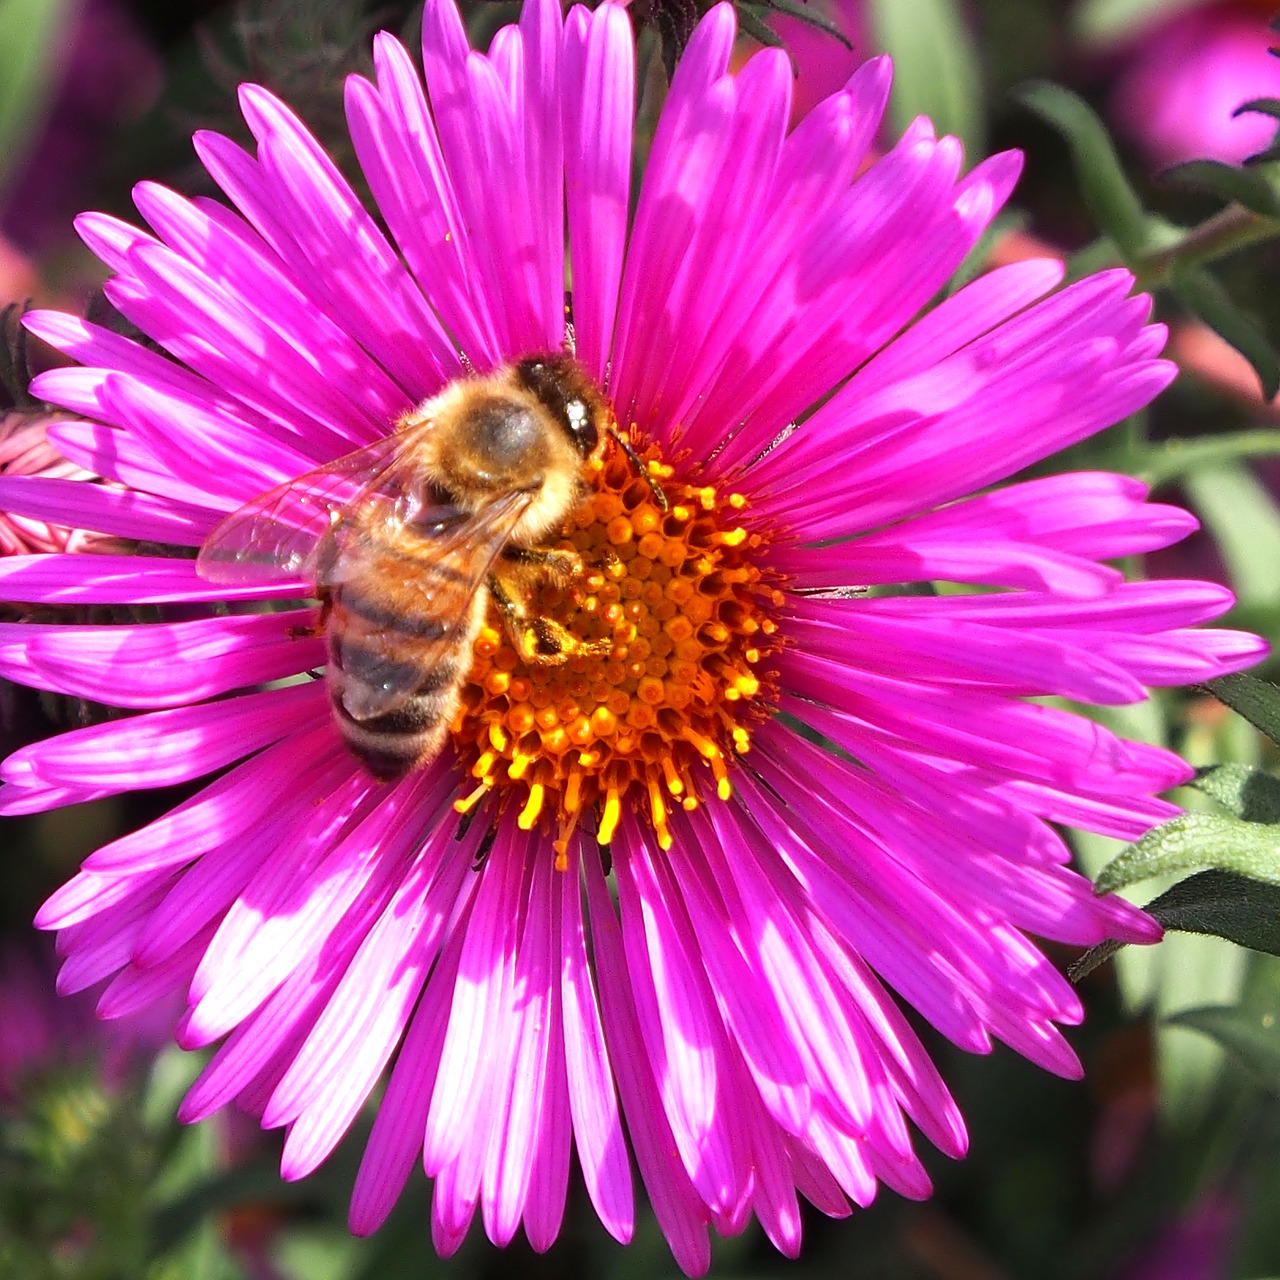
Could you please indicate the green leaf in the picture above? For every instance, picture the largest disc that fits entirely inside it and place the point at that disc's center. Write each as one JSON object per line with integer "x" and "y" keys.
{"x": 1206, "y": 298}
{"x": 1247, "y": 792}
{"x": 1181, "y": 456}
{"x": 1251, "y": 1037}
{"x": 1103, "y": 182}
{"x": 1258, "y": 701}
{"x": 1259, "y": 106}
{"x": 936, "y": 68}
{"x": 801, "y": 10}
{"x": 1197, "y": 840}
{"x": 29, "y": 30}
{"x": 1105, "y": 21}
{"x": 1223, "y": 905}
{"x": 1092, "y": 958}
{"x": 1245, "y": 186}
{"x": 753, "y": 25}
{"x": 1241, "y": 514}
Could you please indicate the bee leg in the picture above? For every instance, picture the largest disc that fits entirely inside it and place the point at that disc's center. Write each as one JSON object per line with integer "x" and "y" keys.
{"x": 641, "y": 470}
{"x": 539, "y": 639}
{"x": 550, "y": 562}
{"x": 317, "y": 628}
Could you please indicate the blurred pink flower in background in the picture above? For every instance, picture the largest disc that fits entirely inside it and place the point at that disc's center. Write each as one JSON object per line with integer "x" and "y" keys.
{"x": 40, "y": 1030}
{"x": 25, "y": 450}
{"x": 822, "y": 64}
{"x": 1197, "y": 1246}
{"x": 1185, "y": 78}
{"x": 105, "y": 73}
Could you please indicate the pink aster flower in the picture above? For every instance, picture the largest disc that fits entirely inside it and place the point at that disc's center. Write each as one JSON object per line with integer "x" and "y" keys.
{"x": 1184, "y": 79}
{"x": 817, "y": 802}
{"x": 25, "y": 450}
{"x": 39, "y": 1032}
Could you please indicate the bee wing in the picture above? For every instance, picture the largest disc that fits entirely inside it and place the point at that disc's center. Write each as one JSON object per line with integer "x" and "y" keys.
{"x": 277, "y": 536}
{"x": 448, "y": 540}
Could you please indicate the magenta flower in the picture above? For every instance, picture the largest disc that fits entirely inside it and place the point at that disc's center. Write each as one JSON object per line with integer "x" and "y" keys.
{"x": 40, "y": 1033}
{"x": 816, "y": 801}
{"x": 25, "y": 451}
{"x": 1184, "y": 79}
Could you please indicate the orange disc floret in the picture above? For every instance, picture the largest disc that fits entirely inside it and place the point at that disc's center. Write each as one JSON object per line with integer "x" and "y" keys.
{"x": 674, "y": 614}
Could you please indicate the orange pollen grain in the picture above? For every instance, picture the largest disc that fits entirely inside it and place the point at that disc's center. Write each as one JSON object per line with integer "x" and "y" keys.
{"x": 674, "y": 616}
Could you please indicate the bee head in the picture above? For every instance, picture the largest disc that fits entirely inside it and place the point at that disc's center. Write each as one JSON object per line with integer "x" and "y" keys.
{"x": 569, "y": 394}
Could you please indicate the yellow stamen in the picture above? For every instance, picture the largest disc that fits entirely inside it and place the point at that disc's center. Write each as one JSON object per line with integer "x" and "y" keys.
{"x": 664, "y": 679}
{"x": 469, "y": 802}
{"x": 533, "y": 807}
{"x": 609, "y": 818}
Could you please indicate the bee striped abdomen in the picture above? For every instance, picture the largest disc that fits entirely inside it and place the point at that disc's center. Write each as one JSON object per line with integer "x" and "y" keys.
{"x": 405, "y": 648}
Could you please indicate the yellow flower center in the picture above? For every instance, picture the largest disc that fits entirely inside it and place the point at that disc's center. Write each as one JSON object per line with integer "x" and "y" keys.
{"x": 676, "y": 613}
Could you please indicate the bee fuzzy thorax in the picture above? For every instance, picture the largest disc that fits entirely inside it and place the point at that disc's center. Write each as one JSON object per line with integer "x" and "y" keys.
{"x": 676, "y": 627}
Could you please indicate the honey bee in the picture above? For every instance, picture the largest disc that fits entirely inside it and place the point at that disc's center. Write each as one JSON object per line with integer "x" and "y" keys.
{"x": 408, "y": 540}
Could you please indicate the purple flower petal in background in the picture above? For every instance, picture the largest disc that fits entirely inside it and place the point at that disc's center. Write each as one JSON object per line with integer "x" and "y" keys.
{"x": 40, "y": 1033}
{"x": 103, "y": 74}
{"x": 821, "y": 795}
{"x": 822, "y": 63}
{"x": 1184, "y": 78}
{"x": 25, "y": 450}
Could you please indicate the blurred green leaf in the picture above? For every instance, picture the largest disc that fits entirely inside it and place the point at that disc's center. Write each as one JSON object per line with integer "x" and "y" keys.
{"x": 320, "y": 1254}
{"x": 29, "y": 30}
{"x": 1258, "y": 701}
{"x": 207, "y": 1192}
{"x": 1266, "y": 107}
{"x": 1180, "y": 456}
{"x": 1109, "y": 21}
{"x": 1206, "y": 298}
{"x": 1197, "y": 840}
{"x": 1251, "y": 1037}
{"x": 1106, "y": 189}
{"x": 1259, "y": 106}
{"x": 1240, "y": 513}
{"x": 752, "y": 13}
{"x": 1248, "y": 187}
{"x": 1248, "y": 793}
{"x": 936, "y": 67}
{"x": 751, "y": 23}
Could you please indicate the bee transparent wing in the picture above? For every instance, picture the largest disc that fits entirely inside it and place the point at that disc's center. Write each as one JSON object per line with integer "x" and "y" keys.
{"x": 277, "y": 537}
{"x": 456, "y": 548}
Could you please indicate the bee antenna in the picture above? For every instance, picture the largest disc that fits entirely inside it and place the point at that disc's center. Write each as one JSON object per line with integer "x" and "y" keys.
{"x": 641, "y": 470}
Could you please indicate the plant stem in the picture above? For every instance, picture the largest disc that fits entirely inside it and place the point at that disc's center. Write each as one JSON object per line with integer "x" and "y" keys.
{"x": 1232, "y": 228}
